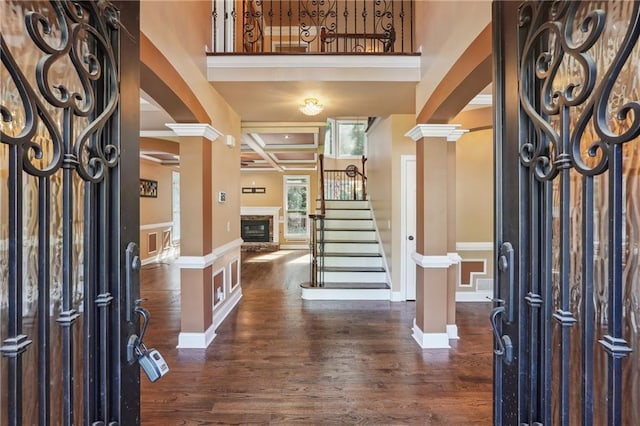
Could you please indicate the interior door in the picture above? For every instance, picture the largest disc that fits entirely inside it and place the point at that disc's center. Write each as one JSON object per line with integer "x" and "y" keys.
{"x": 567, "y": 213}
{"x": 68, "y": 162}
{"x": 409, "y": 234}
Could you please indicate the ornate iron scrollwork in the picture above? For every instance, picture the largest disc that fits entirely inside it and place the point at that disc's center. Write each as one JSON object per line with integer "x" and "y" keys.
{"x": 88, "y": 151}
{"x": 60, "y": 100}
{"x": 562, "y": 46}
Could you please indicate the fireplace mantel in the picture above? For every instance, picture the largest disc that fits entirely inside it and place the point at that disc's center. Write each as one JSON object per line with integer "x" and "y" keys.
{"x": 266, "y": 211}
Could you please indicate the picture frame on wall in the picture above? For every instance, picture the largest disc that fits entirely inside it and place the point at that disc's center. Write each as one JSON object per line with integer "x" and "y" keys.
{"x": 148, "y": 188}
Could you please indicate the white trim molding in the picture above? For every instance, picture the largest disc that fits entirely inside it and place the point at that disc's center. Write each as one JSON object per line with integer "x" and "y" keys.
{"x": 397, "y": 296}
{"x": 474, "y": 246}
{"x": 201, "y": 262}
{"x": 432, "y": 261}
{"x": 226, "y": 248}
{"x": 197, "y": 340}
{"x": 323, "y": 293}
{"x": 195, "y": 129}
{"x": 223, "y": 310}
{"x": 430, "y": 340}
{"x": 455, "y": 258}
{"x": 265, "y": 211}
{"x": 451, "y": 132}
{"x": 156, "y": 225}
{"x": 456, "y": 134}
{"x": 196, "y": 262}
{"x": 452, "y": 332}
{"x": 474, "y": 296}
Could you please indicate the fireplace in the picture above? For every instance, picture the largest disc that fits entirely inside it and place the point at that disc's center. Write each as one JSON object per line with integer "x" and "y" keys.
{"x": 259, "y": 228}
{"x": 255, "y": 231}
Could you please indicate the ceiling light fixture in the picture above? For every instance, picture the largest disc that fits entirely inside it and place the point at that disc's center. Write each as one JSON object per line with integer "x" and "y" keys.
{"x": 311, "y": 107}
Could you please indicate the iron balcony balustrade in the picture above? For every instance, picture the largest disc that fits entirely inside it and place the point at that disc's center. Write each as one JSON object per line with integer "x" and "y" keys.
{"x": 313, "y": 27}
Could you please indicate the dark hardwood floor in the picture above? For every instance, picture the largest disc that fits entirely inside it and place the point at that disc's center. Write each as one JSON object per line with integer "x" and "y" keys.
{"x": 278, "y": 359}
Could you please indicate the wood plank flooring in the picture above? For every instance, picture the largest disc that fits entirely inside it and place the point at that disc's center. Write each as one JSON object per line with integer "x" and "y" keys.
{"x": 278, "y": 359}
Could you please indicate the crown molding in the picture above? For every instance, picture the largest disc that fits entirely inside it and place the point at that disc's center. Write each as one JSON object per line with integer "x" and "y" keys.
{"x": 195, "y": 129}
{"x": 451, "y": 132}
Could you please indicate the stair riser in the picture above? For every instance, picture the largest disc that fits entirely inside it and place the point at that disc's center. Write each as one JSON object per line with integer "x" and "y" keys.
{"x": 348, "y": 224}
{"x": 348, "y": 214}
{"x": 355, "y": 277}
{"x": 349, "y": 235}
{"x": 351, "y": 248}
{"x": 355, "y": 262}
{"x": 346, "y": 204}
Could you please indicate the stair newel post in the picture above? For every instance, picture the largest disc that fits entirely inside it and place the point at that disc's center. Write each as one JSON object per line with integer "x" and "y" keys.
{"x": 364, "y": 178}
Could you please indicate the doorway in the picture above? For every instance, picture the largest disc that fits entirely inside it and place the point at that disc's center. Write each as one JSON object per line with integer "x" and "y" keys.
{"x": 408, "y": 226}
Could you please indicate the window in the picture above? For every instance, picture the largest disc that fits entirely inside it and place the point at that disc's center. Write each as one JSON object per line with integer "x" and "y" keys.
{"x": 346, "y": 138}
{"x": 296, "y": 196}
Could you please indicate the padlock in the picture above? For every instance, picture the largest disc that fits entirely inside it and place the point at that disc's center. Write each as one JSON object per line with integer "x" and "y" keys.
{"x": 152, "y": 363}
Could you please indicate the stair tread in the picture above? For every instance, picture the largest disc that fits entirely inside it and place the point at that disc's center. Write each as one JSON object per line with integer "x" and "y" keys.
{"x": 353, "y": 269}
{"x": 351, "y": 254}
{"x": 348, "y": 286}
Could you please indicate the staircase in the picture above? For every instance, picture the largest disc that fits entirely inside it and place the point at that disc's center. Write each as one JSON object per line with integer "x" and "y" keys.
{"x": 349, "y": 260}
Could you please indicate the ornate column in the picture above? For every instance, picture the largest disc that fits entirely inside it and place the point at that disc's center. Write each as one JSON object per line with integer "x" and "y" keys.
{"x": 435, "y": 239}
{"x": 196, "y": 254}
{"x": 453, "y": 270}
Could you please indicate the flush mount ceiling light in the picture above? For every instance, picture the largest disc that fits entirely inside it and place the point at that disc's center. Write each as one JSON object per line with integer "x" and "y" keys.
{"x": 311, "y": 107}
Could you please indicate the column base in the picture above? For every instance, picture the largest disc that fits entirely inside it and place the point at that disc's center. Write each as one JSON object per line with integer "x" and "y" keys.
{"x": 196, "y": 340}
{"x": 430, "y": 340}
{"x": 452, "y": 331}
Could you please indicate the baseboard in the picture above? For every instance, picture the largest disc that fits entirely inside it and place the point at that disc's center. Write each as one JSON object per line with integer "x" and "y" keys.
{"x": 345, "y": 294}
{"x": 219, "y": 314}
{"x": 148, "y": 261}
{"x": 165, "y": 256}
{"x": 197, "y": 340}
{"x": 474, "y": 296}
{"x": 430, "y": 340}
{"x": 396, "y": 296}
{"x": 452, "y": 331}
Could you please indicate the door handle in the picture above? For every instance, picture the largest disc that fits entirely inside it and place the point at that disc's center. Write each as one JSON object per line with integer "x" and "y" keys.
{"x": 410, "y": 237}
{"x": 506, "y": 281}
{"x": 505, "y": 346}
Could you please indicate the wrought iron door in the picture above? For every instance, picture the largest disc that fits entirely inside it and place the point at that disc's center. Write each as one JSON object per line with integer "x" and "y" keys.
{"x": 64, "y": 177}
{"x": 567, "y": 314}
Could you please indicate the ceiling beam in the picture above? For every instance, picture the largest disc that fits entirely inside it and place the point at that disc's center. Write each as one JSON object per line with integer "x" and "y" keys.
{"x": 254, "y": 142}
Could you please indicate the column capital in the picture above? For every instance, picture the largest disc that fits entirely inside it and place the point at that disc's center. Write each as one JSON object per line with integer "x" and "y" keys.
{"x": 450, "y": 131}
{"x": 456, "y": 134}
{"x": 195, "y": 129}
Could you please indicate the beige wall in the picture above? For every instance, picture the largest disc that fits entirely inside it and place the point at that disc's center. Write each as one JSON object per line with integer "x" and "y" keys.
{"x": 161, "y": 22}
{"x": 474, "y": 192}
{"x": 225, "y": 175}
{"x": 465, "y": 20}
{"x": 273, "y": 182}
{"x": 386, "y": 145}
{"x": 155, "y": 211}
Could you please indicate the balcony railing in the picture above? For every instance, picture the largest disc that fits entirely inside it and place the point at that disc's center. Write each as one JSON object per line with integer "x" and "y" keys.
{"x": 312, "y": 26}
